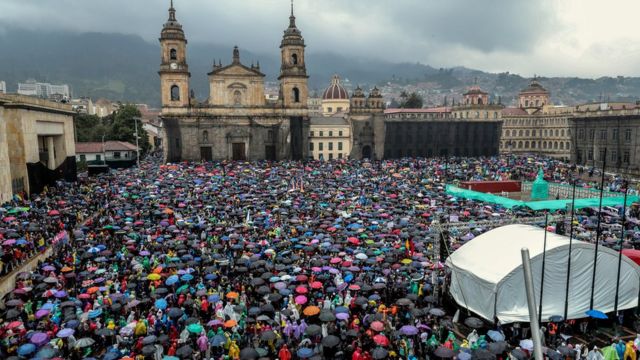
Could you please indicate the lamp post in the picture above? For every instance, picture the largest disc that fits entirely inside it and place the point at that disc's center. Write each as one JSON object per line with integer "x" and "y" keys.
{"x": 137, "y": 146}
{"x": 104, "y": 154}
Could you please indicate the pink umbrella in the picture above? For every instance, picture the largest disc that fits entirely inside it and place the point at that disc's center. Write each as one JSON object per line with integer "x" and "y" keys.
{"x": 301, "y": 299}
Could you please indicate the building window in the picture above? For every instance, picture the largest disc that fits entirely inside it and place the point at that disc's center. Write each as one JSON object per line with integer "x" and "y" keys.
{"x": 330, "y": 156}
{"x": 526, "y": 133}
{"x": 627, "y": 135}
{"x": 614, "y": 156}
{"x": 321, "y": 133}
{"x": 173, "y": 54}
{"x": 175, "y": 93}
{"x": 568, "y": 146}
{"x": 581, "y": 134}
{"x": 311, "y": 134}
{"x": 603, "y": 134}
{"x": 340, "y": 156}
{"x": 340, "y": 145}
{"x": 340, "y": 133}
{"x": 508, "y": 133}
{"x": 615, "y": 134}
{"x": 590, "y": 154}
{"x": 310, "y": 146}
{"x": 533, "y": 132}
{"x": 520, "y": 133}
{"x": 116, "y": 155}
{"x": 329, "y": 109}
{"x": 625, "y": 157}
{"x": 205, "y": 136}
{"x": 296, "y": 95}
{"x": 331, "y": 132}
{"x": 98, "y": 157}
{"x": 330, "y": 145}
{"x": 294, "y": 59}
{"x": 339, "y": 109}
{"x": 83, "y": 158}
{"x": 592, "y": 134}
{"x": 320, "y": 146}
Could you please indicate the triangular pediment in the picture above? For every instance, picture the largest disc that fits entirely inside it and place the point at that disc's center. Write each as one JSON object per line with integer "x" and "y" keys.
{"x": 236, "y": 70}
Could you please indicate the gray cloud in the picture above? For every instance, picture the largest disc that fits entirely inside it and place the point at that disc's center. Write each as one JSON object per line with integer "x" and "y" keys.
{"x": 489, "y": 34}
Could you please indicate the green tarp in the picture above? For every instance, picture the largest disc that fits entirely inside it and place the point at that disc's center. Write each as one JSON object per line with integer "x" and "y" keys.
{"x": 536, "y": 205}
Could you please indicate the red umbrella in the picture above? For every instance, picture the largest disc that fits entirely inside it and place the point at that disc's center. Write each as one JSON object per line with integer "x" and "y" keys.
{"x": 14, "y": 324}
{"x": 354, "y": 287}
{"x": 302, "y": 278}
{"x": 381, "y": 340}
{"x": 316, "y": 285}
{"x": 377, "y": 326}
{"x": 302, "y": 290}
{"x": 353, "y": 240}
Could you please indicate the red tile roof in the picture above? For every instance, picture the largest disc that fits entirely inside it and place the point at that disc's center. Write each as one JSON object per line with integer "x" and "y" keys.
{"x": 441, "y": 109}
{"x": 510, "y": 111}
{"x": 96, "y": 147}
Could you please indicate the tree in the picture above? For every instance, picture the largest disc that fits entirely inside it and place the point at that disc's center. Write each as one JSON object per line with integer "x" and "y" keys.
{"x": 123, "y": 127}
{"x": 411, "y": 101}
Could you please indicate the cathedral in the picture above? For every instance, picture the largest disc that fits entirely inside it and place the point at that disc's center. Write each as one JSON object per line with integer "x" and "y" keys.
{"x": 236, "y": 121}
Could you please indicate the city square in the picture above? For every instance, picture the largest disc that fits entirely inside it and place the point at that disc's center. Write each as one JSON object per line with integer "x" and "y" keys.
{"x": 260, "y": 213}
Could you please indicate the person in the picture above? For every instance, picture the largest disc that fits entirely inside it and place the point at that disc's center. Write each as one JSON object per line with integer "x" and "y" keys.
{"x": 285, "y": 354}
{"x": 595, "y": 354}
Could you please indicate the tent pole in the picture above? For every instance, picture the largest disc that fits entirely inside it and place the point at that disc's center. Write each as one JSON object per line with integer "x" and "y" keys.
{"x": 624, "y": 218}
{"x": 544, "y": 256}
{"x": 566, "y": 295}
{"x": 598, "y": 231}
{"x": 531, "y": 300}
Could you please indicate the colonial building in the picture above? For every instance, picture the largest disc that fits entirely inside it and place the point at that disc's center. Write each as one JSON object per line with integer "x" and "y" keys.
{"x": 476, "y": 105}
{"x": 330, "y": 138}
{"x": 607, "y": 136}
{"x": 116, "y": 154}
{"x": 335, "y": 98}
{"x": 36, "y": 144}
{"x": 536, "y": 126}
{"x": 235, "y": 121}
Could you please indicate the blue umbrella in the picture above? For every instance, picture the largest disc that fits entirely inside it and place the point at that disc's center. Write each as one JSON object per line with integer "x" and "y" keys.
{"x": 218, "y": 340}
{"x": 495, "y": 335}
{"x": 26, "y": 349}
{"x": 186, "y": 277}
{"x": 172, "y": 280}
{"x": 161, "y": 304}
{"x": 210, "y": 277}
{"x": 305, "y": 353}
{"x": 95, "y": 313}
{"x": 213, "y": 298}
{"x": 596, "y": 314}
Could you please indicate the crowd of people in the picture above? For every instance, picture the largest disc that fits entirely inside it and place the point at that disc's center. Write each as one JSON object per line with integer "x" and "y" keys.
{"x": 289, "y": 260}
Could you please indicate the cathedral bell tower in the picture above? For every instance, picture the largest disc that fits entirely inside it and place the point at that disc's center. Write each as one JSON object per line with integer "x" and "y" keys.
{"x": 293, "y": 71}
{"x": 174, "y": 71}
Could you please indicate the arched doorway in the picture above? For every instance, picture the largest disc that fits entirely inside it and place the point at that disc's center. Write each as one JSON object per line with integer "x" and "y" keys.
{"x": 366, "y": 152}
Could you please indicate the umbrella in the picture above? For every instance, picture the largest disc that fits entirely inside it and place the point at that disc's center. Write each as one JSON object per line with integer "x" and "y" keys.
{"x": 313, "y": 330}
{"x": 184, "y": 352}
{"x": 149, "y": 340}
{"x": 194, "y": 328}
{"x": 311, "y": 310}
{"x": 330, "y": 341}
{"x": 409, "y": 330}
{"x": 556, "y": 318}
{"x": 26, "y": 349}
{"x": 379, "y": 353}
{"x": 268, "y": 335}
{"x": 377, "y": 326}
{"x": 497, "y": 347}
{"x": 437, "y": 312}
{"x": 327, "y": 316}
{"x": 495, "y": 335}
{"x": 381, "y": 340}
{"x": 482, "y": 354}
{"x": 596, "y": 314}
{"x": 39, "y": 338}
{"x": 85, "y": 342}
{"x": 65, "y": 333}
{"x": 305, "y": 353}
{"x": 444, "y": 352}
{"x": 473, "y": 322}
{"x": 249, "y": 354}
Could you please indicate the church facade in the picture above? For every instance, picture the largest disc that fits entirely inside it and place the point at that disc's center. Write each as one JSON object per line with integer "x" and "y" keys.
{"x": 236, "y": 121}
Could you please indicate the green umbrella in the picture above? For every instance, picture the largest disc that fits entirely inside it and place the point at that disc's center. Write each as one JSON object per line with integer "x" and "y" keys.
{"x": 182, "y": 288}
{"x": 195, "y": 328}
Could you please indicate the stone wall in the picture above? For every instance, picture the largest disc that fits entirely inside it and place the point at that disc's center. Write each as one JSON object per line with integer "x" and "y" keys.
{"x": 5, "y": 169}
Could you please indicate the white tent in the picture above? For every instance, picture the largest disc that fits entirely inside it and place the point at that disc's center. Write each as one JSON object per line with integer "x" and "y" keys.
{"x": 487, "y": 275}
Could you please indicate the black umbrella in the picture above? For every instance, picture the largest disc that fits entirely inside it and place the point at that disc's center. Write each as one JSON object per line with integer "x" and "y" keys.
{"x": 148, "y": 350}
{"x": 149, "y": 340}
{"x": 249, "y": 354}
{"x": 473, "y": 322}
{"x": 175, "y": 312}
{"x": 482, "y": 354}
{"x": 519, "y": 354}
{"x": 313, "y": 330}
{"x": 379, "y": 353}
{"x": 330, "y": 341}
{"x": 184, "y": 352}
{"x": 497, "y": 347}
{"x": 553, "y": 355}
{"x": 327, "y": 316}
{"x": 268, "y": 335}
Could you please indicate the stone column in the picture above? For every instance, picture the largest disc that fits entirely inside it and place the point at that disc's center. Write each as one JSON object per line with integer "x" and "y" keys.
{"x": 51, "y": 162}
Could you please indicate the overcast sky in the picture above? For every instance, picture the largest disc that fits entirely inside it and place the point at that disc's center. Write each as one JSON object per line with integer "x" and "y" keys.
{"x": 588, "y": 38}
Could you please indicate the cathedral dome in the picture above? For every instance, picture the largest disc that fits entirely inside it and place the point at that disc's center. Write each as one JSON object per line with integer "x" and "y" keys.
{"x": 335, "y": 91}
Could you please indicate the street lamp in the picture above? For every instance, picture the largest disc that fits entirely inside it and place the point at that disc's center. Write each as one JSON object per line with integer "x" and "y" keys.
{"x": 137, "y": 146}
{"x": 104, "y": 154}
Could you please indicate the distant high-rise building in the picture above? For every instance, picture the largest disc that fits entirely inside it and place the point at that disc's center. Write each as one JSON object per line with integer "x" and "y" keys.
{"x": 31, "y": 87}
{"x": 3, "y": 87}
